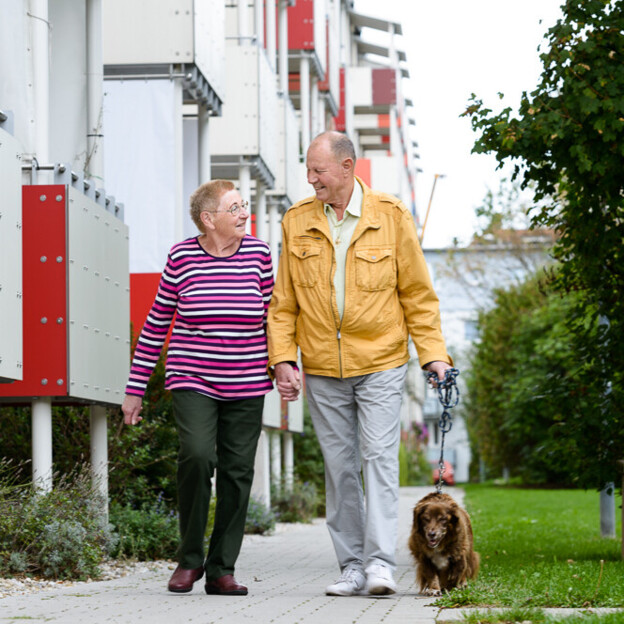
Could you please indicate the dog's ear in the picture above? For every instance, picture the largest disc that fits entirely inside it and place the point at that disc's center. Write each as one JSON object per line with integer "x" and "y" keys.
{"x": 454, "y": 514}
{"x": 418, "y": 511}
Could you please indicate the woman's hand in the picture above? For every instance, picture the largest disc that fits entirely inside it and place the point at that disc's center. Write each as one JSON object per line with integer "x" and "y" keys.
{"x": 288, "y": 381}
{"x": 131, "y": 409}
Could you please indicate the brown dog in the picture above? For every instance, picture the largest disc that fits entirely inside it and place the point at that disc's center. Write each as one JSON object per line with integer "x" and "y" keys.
{"x": 441, "y": 544}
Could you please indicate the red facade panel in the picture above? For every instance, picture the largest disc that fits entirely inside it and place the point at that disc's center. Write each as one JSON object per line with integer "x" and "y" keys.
{"x": 384, "y": 87}
{"x": 44, "y": 294}
{"x": 339, "y": 119}
{"x": 301, "y": 25}
{"x": 363, "y": 170}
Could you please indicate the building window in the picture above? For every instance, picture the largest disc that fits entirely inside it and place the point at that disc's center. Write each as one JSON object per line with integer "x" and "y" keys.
{"x": 471, "y": 331}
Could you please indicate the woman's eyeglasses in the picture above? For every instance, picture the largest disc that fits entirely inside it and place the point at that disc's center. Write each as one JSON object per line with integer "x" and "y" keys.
{"x": 234, "y": 209}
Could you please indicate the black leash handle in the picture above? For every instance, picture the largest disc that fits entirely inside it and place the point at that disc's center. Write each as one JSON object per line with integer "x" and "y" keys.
{"x": 448, "y": 395}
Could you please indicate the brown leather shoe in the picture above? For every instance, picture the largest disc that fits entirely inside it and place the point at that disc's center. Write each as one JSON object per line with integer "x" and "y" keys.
{"x": 225, "y": 586}
{"x": 182, "y": 580}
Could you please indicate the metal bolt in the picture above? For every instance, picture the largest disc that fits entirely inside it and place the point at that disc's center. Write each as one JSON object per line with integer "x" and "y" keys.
{"x": 44, "y": 320}
{"x": 42, "y": 198}
{"x": 59, "y": 320}
{"x": 59, "y": 258}
{"x": 59, "y": 198}
{"x": 44, "y": 382}
{"x": 59, "y": 382}
{"x": 43, "y": 259}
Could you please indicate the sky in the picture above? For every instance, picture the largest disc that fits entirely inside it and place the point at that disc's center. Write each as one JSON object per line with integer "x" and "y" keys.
{"x": 455, "y": 48}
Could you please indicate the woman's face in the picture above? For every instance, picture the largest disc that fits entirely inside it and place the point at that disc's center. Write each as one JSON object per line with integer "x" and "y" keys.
{"x": 229, "y": 224}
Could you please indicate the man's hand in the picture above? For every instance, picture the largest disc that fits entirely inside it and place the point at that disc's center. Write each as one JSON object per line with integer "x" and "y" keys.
{"x": 288, "y": 381}
{"x": 438, "y": 368}
{"x": 131, "y": 409}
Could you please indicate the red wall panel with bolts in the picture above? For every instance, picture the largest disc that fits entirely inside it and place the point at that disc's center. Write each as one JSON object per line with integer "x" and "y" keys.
{"x": 44, "y": 294}
{"x": 301, "y": 25}
{"x": 339, "y": 119}
{"x": 384, "y": 86}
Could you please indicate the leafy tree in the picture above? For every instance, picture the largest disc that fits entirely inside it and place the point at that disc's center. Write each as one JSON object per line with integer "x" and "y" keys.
{"x": 567, "y": 143}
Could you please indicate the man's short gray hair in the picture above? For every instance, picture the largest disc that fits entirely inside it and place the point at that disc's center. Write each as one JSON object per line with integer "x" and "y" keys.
{"x": 340, "y": 144}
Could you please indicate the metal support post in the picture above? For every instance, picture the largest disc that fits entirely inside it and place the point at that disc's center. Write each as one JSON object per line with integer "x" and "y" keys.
{"x": 42, "y": 444}
{"x": 261, "y": 486}
{"x": 304, "y": 77}
{"x": 94, "y": 165}
{"x": 276, "y": 458}
{"x": 203, "y": 143}
{"x": 271, "y": 33}
{"x": 289, "y": 460}
{"x": 262, "y": 230}
{"x": 274, "y": 234}
{"x": 607, "y": 511}
{"x": 244, "y": 187}
{"x": 99, "y": 452}
{"x": 283, "y": 46}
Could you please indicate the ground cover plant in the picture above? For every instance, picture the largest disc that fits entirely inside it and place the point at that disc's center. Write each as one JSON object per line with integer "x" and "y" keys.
{"x": 541, "y": 548}
{"x": 535, "y": 616}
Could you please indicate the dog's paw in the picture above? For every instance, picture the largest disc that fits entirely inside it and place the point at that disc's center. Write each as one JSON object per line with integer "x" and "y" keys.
{"x": 429, "y": 591}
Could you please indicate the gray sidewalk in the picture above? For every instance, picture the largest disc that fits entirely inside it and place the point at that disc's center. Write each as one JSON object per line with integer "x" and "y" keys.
{"x": 286, "y": 574}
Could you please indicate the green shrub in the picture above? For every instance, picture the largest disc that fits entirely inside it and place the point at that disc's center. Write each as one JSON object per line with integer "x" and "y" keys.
{"x": 297, "y": 503}
{"x": 62, "y": 534}
{"x": 145, "y": 534}
{"x": 260, "y": 519}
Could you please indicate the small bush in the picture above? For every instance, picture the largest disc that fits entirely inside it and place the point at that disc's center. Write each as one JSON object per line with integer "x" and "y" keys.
{"x": 298, "y": 503}
{"x": 62, "y": 534}
{"x": 260, "y": 519}
{"x": 145, "y": 534}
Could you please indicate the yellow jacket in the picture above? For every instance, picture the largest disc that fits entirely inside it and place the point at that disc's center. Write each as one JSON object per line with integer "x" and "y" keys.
{"x": 388, "y": 293}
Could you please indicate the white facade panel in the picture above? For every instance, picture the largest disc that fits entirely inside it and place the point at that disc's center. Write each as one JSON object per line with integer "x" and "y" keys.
{"x": 292, "y": 153}
{"x": 320, "y": 32}
{"x": 385, "y": 175}
{"x": 99, "y": 301}
{"x": 210, "y": 43}
{"x": 139, "y": 32}
{"x": 68, "y": 84}
{"x": 334, "y": 61}
{"x": 366, "y": 122}
{"x": 267, "y": 113}
{"x": 143, "y": 123}
{"x": 359, "y": 84}
{"x": 272, "y": 412}
{"x": 236, "y": 131}
{"x": 11, "y": 336}
{"x": 295, "y": 415}
{"x": 16, "y": 92}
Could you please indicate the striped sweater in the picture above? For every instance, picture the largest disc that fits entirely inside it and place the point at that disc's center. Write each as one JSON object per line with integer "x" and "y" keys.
{"x": 218, "y": 344}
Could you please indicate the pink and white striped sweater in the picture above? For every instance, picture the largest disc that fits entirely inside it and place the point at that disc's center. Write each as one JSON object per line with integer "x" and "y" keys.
{"x": 218, "y": 345}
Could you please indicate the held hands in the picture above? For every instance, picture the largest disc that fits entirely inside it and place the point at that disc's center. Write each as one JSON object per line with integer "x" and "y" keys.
{"x": 131, "y": 409}
{"x": 288, "y": 381}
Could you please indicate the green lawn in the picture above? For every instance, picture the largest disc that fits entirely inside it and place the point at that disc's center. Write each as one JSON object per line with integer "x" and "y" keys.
{"x": 541, "y": 548}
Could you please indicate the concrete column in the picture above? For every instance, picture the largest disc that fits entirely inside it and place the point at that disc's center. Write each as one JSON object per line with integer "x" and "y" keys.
{"x": 42, "y": 444}
{"x": 94, "y": 167}
{"x": 304, "y": 91}
{"x": 322, "y": 126}
{"x": 244, "y": 187}
{"x": 276, "y": 458}
{"x": 262, "y": 226}
{"x": 271, "y": 33}
{"x": 283, "y": 46}
{"x": 99, "y": 452}
{"x": 203, "y": 131}
{"x": 261, "y": 486}
{"x": 289, "y": 460}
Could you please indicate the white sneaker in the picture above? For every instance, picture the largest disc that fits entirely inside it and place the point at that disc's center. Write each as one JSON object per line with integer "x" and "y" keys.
{"x": 350, "y": 583}
{"x": 379, "y": 581}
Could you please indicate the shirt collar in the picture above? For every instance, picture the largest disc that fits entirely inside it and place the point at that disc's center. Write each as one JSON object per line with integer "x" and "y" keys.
{"x": 354, "y": 208}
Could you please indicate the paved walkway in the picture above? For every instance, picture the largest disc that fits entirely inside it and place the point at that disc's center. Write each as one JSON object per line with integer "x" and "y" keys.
{"x": 286, "y": 574}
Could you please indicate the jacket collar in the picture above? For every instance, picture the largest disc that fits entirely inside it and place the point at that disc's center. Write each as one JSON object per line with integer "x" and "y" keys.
{"x": 369, "y": 218}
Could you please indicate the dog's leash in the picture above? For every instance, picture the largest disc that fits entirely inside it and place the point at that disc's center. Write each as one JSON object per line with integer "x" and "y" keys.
{"x": 448, "y": 395}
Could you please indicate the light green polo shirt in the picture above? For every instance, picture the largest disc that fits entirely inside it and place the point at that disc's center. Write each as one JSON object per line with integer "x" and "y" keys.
{"x": 342, "y": 232}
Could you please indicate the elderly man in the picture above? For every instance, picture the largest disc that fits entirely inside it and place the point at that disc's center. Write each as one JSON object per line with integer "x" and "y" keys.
{"x": 352, "y": 285}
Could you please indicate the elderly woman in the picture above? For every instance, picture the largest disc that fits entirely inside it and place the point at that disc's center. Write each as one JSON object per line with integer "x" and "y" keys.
{"x": 217, "y": 286}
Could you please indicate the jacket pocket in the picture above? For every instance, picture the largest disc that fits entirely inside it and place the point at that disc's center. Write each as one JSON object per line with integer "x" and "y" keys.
{"x": 305, "y": 265}
{"x": 375, "y": 268}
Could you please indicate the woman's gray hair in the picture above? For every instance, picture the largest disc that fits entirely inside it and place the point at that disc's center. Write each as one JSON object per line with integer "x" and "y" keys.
{"x": 207, "y": 197}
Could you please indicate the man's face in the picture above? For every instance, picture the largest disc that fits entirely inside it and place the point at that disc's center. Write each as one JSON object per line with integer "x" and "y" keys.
{"x": 325, "y": 173}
